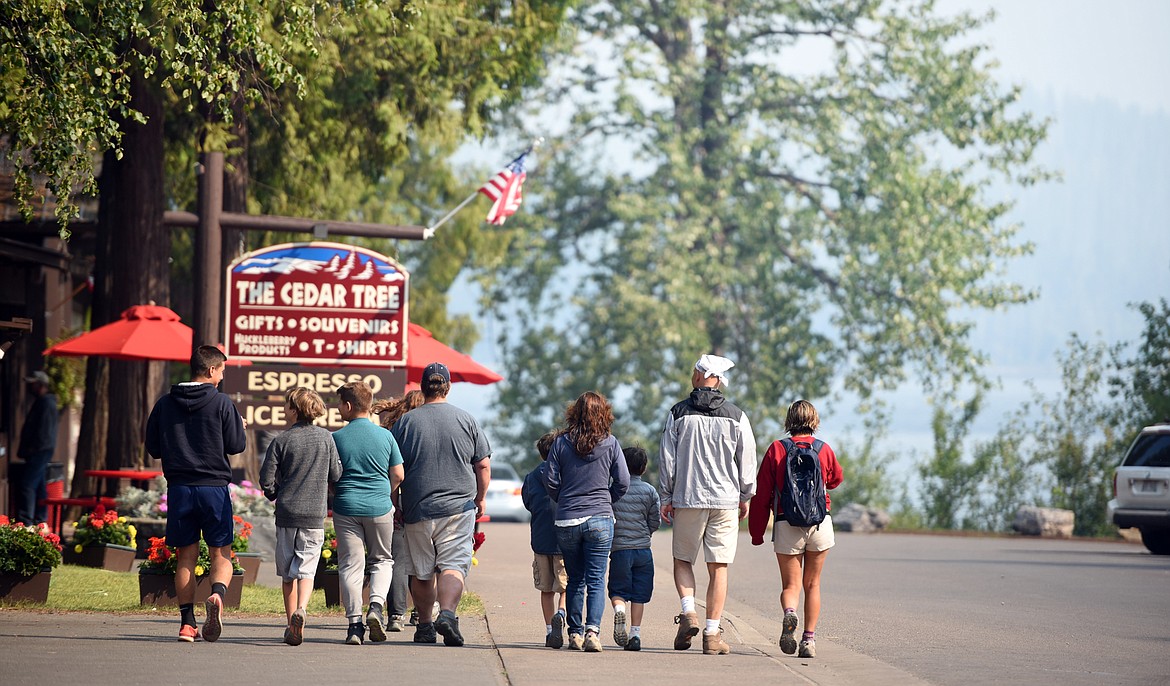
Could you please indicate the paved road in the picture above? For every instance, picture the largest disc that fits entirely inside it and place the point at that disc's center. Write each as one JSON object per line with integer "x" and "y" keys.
{"x": 900, "y": 610}
{"x": 971, "y": 610}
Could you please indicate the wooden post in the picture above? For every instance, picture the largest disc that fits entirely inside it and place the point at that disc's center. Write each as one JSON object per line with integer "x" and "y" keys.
{"x": 209, "y": 253}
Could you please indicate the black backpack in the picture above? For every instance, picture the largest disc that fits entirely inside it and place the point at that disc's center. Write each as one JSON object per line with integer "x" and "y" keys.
{"x": 802, "y": 498}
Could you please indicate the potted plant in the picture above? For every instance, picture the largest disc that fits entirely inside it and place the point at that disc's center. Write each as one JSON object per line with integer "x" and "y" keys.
{"x": 156, "y": 576}
{"x": 103, "y": 539}
{"x": 248, "y": 560}
{"x": 28, "y": 555}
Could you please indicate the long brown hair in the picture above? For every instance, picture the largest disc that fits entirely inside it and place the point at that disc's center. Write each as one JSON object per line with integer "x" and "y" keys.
{"x": 587, "y": 421}
{"x": 391, "y": 410}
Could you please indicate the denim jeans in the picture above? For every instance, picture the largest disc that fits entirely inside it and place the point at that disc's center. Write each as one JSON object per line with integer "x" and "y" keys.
{"x": 585, "y": 550}
{"x": 32, "y": 488}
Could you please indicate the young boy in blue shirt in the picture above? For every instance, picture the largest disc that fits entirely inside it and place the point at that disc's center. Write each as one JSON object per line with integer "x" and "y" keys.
{"x": 631, "y": 564}
{"x": 548, "y": 568}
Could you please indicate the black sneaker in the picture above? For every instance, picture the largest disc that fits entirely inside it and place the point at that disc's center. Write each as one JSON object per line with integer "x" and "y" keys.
{"x": 425, "y": 633}
{"x": 356, "y": 633}
{"x": 376, "y": 624}
{"x": 633, "y": 643}
{"x": 556, "y": 639}
{"x": 448, "y": 625}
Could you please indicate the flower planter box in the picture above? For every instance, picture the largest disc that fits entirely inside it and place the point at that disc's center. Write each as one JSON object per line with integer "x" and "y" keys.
{"x": 35, "y": 588}
{"x": 330, "y": 582}
{"x": 251, "y": 563}
{"x": 159, "y": 589}
{"x": 116, "y": 558}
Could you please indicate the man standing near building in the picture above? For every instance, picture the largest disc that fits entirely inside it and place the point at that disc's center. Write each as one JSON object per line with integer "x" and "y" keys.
{"x": 707, "y": 476}
{"x": 192, "y": 430}
{"x": 447, "y": 470}
{"x": 38, "y": 440}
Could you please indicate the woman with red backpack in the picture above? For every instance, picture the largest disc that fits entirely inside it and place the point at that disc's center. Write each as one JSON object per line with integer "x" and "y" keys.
{"x": 793, "y": 483}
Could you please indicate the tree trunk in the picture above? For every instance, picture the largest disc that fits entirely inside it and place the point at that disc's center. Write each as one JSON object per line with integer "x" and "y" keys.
{"x": 94, "y": 429}
{"x": 141, "y": 274}
{"x": 235, "y": 181}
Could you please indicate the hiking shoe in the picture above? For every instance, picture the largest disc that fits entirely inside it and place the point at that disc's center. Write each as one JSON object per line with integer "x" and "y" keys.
{"x": 556, "y": 638}
{"x": 395, "y": 623}
{"x": 356, "y": 634}
{"x": 634, "y": 643}
{"x": 808, "y": 649}
{"x": 212, "y": 624}
{"x": 575, "y": 642}
{"x": 713, "y": 644}
{"x": 425, "y": 633}
{"x": 296, "y": 629}
{"x": 620, "y": 635}
{"x": 592, "y": 643}
{"x": 448, "y": 625}
{"x": 787, "y": 641}
{"x": 188, "y": 633}
{"x": 376, "y": 624}
{"x": 688, "y": 628}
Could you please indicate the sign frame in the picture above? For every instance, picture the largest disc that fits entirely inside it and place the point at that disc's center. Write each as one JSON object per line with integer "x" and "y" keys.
{"x": 377, "y": 325}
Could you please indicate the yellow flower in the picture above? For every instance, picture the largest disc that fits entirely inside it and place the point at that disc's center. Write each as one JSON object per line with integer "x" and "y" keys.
{"x": 326, "y": 554}
{"x": 77, "y": 548}
{"x": 122, "y": 520}
{"x": 74, "y": 525}
{"x": 198, "y": 570}
{"x": 474, "y": 561}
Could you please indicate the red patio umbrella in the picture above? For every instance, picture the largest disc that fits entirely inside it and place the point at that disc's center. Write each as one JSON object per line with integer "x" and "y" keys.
{"x": 145, "y": 332}
{"x": 422, "y": 349}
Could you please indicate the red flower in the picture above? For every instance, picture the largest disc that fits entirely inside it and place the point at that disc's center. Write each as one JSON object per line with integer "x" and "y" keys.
{"x": 3, "y": 520}
{"x": 96, "y": 523}
{"x": 477, "y": 540}
{"x": 99, "y": 511}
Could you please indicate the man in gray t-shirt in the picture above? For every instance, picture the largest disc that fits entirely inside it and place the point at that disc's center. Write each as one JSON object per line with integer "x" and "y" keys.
{"x": 447, "y": 465}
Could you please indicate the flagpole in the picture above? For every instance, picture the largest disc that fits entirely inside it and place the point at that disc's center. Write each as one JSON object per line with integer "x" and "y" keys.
{"x": 430, "y": 230}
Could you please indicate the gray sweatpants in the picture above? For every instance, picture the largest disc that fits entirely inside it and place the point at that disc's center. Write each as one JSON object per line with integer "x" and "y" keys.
{"x": 364, "y": 543}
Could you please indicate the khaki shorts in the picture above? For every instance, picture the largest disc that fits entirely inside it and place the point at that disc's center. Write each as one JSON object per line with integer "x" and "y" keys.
{"x": 548, "y": 573}
{"x": 441, "y": 544}
{"x": 794, "y": 540}
{"x": 716, "y": 530}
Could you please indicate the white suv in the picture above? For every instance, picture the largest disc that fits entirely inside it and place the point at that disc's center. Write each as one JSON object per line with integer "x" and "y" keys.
{"x": 1141, "y": 489}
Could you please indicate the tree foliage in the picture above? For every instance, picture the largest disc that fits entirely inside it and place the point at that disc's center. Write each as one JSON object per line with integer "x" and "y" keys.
{"x": 799, "y": 186}
{"x": 67, "y": 70}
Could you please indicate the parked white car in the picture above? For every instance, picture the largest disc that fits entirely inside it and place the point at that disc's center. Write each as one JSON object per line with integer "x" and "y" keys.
{"x": 1141, "y": 489}
{"x": 503, "y": 501}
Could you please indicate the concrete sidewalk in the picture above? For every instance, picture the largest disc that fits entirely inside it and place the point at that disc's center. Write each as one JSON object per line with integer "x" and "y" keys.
{"x": 505, "y": 647}
{"x": 504, "y": 580}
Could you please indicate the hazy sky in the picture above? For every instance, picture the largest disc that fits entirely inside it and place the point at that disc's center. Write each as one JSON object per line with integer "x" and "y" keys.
{"x": 1117, "y": 50}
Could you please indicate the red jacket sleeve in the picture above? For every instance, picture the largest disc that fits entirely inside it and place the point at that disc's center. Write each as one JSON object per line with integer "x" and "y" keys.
{"x": 761, "y": 507}
{"x": 831, "y": 469}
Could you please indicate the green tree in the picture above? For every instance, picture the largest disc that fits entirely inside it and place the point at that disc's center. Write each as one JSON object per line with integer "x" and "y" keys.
{"x": 1079, "y": 436}
{"x": 801, "y": 187}
{"x": 951, "y": 485}
{"x": 1142, "y": 382}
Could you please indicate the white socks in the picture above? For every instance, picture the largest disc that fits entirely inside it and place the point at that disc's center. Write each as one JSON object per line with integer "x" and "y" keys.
{"x": 712, "y": 627}
{"x": 619, "y": 607}
{"x": 688, "y": 604}
{"x": 635, "y": 631}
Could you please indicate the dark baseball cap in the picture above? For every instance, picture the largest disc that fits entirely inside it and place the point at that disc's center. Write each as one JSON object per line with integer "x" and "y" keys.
{"x": 437, "y": 368}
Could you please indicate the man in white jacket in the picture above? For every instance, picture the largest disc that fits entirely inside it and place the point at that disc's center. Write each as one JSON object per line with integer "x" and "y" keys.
{"x": 707, "y": 475}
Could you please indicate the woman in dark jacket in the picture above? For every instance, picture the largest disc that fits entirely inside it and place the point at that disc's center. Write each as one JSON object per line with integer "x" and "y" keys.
{"x": 586, "y": 474}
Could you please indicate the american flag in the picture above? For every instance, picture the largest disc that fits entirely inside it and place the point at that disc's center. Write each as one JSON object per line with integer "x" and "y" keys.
{"x": 504, "y": 190}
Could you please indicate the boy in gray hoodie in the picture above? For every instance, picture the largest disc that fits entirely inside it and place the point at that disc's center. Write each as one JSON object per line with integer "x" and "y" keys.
{"x": 631, "y": 564}
{"x": 298, "y": 468}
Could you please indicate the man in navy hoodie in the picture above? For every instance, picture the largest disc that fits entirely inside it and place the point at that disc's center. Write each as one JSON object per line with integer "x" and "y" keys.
{"x": 192, "y": 430}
